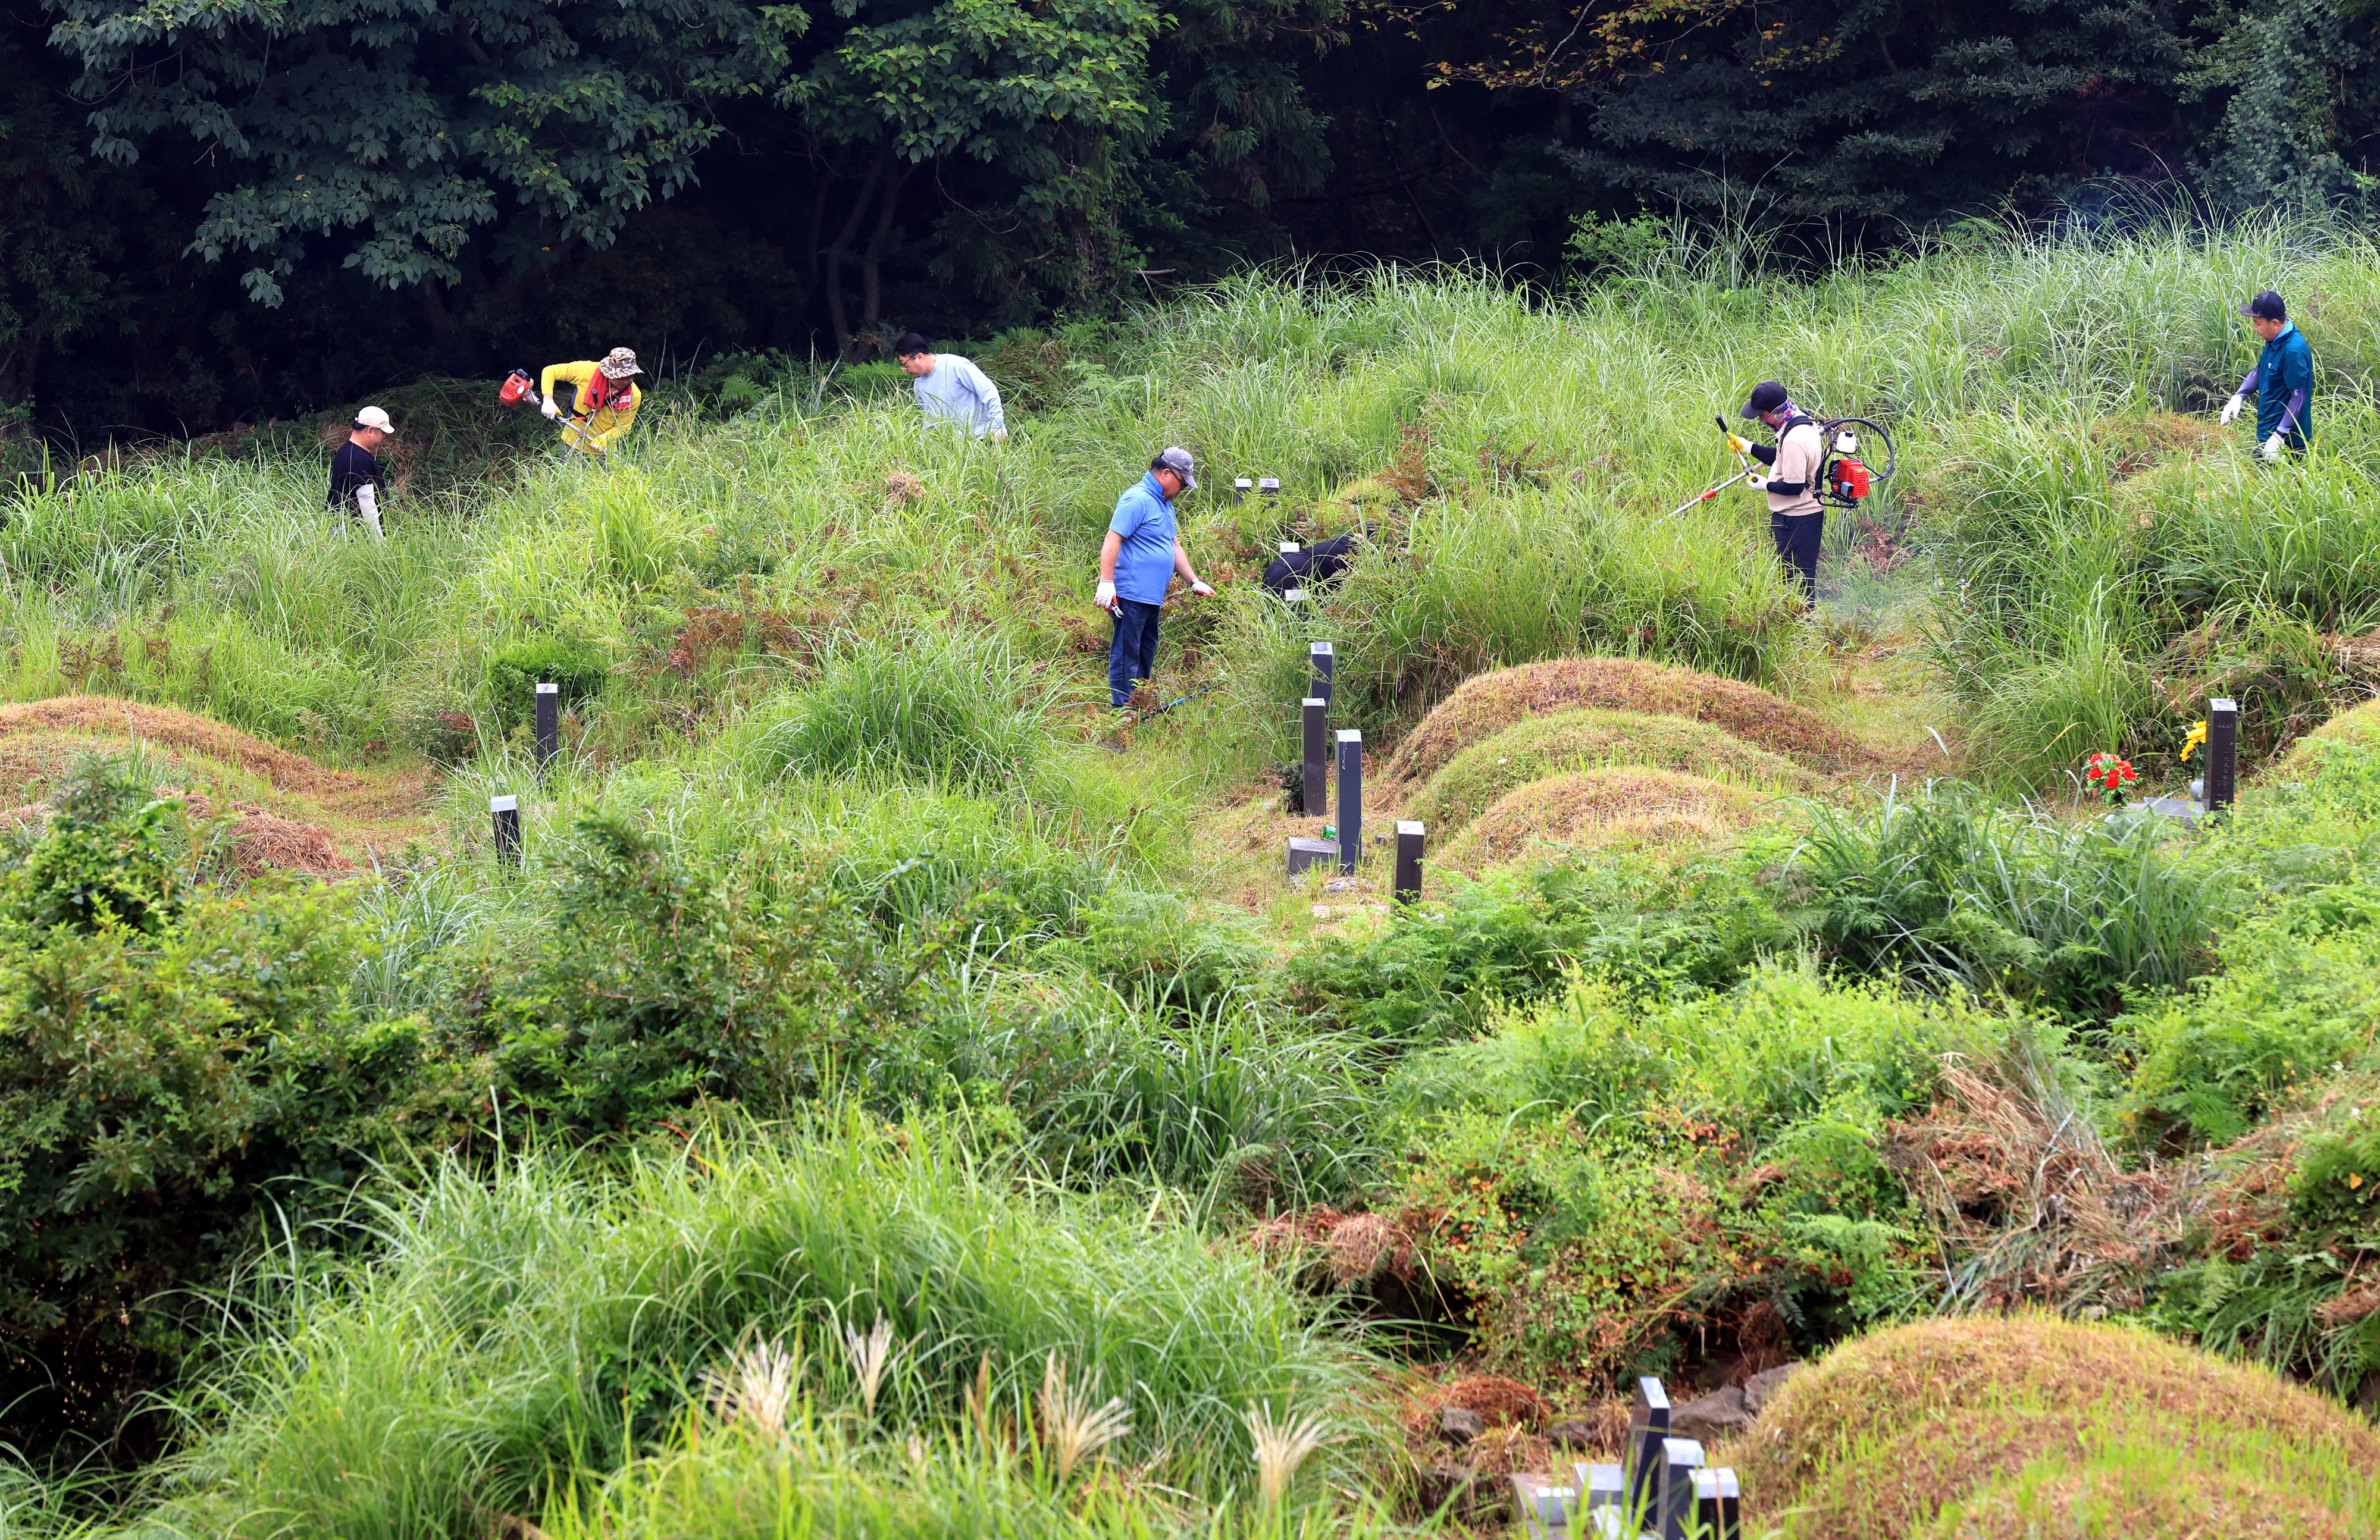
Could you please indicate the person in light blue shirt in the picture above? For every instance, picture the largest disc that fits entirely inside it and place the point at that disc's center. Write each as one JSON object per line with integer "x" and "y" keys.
{"x": 1137, "y": 562}
{"x": 951, "y": 389}
{"x": 2283, "y": 378}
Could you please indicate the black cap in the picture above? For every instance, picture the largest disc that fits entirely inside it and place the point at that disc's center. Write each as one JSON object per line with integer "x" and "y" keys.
{"x": 1767, "y": 396}
{"x": 2267, "y": 305}
{"x": 910, "y": 345}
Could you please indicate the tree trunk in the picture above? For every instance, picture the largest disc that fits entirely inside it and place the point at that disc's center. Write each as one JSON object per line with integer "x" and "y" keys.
{"x": 872, "y": 275}
{"x": 837, "y": 313}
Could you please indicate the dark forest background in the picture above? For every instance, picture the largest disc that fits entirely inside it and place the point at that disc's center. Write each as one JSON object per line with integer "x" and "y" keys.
{"x": 256, "y": 208}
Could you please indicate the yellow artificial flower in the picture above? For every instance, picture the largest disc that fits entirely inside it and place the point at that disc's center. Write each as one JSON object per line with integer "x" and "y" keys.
{"x": 2191, "y": 743}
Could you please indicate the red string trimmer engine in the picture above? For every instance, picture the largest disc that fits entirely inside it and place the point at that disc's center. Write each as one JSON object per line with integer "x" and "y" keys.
{"x": 1844, "y": 479}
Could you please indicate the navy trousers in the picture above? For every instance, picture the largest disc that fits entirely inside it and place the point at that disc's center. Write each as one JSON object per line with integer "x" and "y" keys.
{"x": 1798, "y": 537}
{"x": 1132, "y": 656}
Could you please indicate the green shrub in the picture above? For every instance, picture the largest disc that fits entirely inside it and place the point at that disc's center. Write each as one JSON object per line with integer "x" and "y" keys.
{"x": 1511, "y": 939}
{"x": 578, "y": 666}
{"x": 1781, "y": 1047}
{"x": 111, "y": 856}
{"x": 1606, "y": 1179}
{"x": 162, "y": 1083}
{"x": 2292, "y": 1002}
{"x": 1249, "y": 1111}
{"x": 664, "y": 980}
{"x": 2335, "y": 1191}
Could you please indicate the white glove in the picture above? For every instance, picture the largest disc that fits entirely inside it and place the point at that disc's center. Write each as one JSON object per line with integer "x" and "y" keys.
{"x": 1757, "y": 482}
{"x": 368, "y": 503}
{"x": 2231, "y": 409}
{"x": 1200, "y": 589}
{"x": 2273, "y": 447}
{"x": 1000, "y": 435}
{"x": 1107, "y": 595}
{"x": 548, "y": 408}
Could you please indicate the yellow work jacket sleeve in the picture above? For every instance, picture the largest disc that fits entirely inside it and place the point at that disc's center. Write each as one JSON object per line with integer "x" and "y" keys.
{"x": 608, "y": 423}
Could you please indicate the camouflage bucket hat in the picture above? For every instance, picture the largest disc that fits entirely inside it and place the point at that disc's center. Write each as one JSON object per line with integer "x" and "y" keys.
{"x": 619, "y": 364}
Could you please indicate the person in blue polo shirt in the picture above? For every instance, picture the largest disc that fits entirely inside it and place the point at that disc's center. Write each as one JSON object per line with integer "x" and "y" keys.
{"x": 1137, "y": 562}
{"x": 2283, "y": 378}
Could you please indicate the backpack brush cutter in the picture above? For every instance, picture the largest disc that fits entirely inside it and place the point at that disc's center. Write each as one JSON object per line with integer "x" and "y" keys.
{"x": 1844, "y": 481}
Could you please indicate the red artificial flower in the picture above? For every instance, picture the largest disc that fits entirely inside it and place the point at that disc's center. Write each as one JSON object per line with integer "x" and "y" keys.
{"x": 2110, "y": 772}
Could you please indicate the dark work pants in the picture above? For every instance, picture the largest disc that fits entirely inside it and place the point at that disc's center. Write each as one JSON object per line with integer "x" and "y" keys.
{"x": 1132, "y": 656}
{"x": 1798, "y": 537}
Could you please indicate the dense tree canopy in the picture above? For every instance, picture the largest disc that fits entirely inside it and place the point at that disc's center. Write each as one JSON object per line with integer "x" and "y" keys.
{"x": 290, "y": 201}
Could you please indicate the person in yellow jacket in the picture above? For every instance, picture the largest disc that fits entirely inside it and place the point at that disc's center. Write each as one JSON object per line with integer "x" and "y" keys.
{"x": 608, "y": 399}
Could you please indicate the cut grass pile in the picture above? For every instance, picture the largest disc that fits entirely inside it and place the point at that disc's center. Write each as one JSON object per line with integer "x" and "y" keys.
{"x": 1536, "y": 748}
{"x": 179, "y": 729}
{"x": 1488, "y": 703}
{"x": 2002, "y": 1427}
{"x": 1601, "y": 809}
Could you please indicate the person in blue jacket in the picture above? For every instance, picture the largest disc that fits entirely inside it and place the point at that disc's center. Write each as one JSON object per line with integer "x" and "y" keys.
{"x": 1137, "y": 562}
{"x": 2283, "y": 378}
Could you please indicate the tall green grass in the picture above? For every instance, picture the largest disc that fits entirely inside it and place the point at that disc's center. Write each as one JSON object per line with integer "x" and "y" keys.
{"x": 516, "y": 1328}
{"x": 2009, "y": 904}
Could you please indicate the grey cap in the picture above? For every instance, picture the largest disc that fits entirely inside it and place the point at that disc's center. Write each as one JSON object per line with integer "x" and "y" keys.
{"x": 1177, "y": 460}
{"x": 2267, "y": 305}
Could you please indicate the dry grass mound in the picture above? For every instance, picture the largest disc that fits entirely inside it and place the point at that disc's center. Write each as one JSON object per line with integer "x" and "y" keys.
{"x": 1536, "y": 748}
{"x": 257, "y": 842}
{"x": 2002, "y": 1427}
{"x": 1602, "y": 809}
{"x": 1487, "y": 703}
{"x": 2359, "y": 725}
{"x": 186, "y": 730}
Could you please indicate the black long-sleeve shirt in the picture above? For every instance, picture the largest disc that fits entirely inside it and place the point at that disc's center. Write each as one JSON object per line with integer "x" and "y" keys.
{"x": 352, "y": 466}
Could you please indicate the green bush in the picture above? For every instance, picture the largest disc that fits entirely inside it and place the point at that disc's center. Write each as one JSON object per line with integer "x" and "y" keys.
{"x": 174, "y": 1061}
{"x": 111, "y": 856}
{"x": 1605, "y": 1180}
{"x": 664, "y": 980}
{"x": 578, "y": 666}
{"x": 1437, "y": 968}
{"x": 1249, "y": 1111}
{"x": 2337, "y": 1189}
{"x": 2295, "y": 1000}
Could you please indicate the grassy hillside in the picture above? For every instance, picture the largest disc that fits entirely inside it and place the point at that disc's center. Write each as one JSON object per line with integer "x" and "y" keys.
{"x": 860, "y": 966}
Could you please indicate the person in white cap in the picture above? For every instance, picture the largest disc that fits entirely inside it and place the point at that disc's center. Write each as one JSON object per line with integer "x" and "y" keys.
{"x": 354, "y": 469}
{"x": 608, "y": 399}
{"x": 1137, "y": 562}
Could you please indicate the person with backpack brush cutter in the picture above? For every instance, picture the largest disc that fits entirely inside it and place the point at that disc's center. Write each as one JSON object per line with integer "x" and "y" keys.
{"x": 1796, "y": 520}
{"x": 1137, "y": 562}
{"x": 354, "y": 469}
{"x": 2283, "y": 380}
{"x": 607, "y": 399}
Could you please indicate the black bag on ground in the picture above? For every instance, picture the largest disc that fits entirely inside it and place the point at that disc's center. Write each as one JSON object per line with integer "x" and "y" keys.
{"x": 1316, "y": 567}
